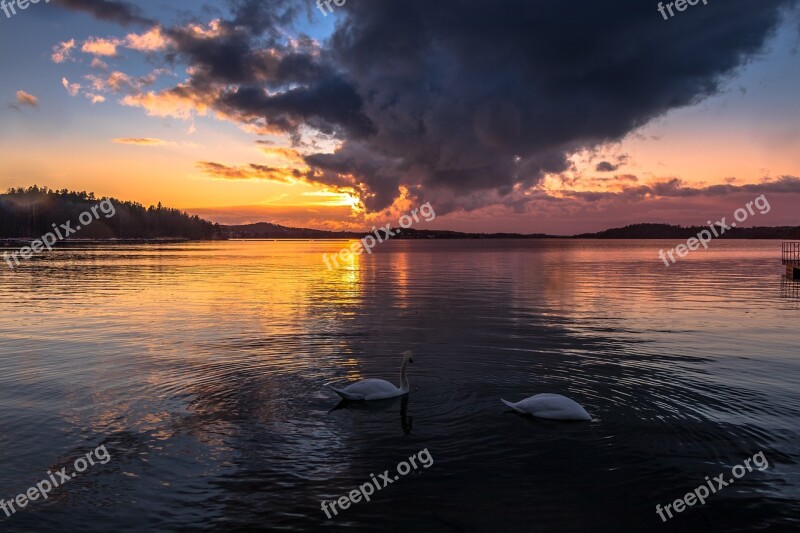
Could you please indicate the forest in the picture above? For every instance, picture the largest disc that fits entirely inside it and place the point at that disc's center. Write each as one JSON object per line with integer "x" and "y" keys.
{"x": 30, "y": 213}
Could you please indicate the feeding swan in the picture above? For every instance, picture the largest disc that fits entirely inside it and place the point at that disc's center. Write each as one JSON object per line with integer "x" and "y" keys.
{"x": 550, "y": 406}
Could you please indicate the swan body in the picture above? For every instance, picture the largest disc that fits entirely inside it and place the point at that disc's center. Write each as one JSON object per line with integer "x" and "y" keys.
{"x": 377, "y": 389}
{"x": 550, "y": 406}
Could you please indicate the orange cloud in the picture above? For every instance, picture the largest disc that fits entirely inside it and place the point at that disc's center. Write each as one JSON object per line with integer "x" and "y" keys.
{"x": 99, "y": 63}
{"x": 116, "y": 82}
{"x": 72, "y": 88}
{"x": 149, "y": 41}
{"x": 24, "y": 98}
{"x": 288, "y": 155}
{"x": 303, "y": 216}
{"x": 213, "y": 30}
{"x": 62, "y": 51}
{"x": 144, "y": 141}
{"x": 249, "y": 172}
{"x": 178, "y": 102}
{"x": 100, "y": 47}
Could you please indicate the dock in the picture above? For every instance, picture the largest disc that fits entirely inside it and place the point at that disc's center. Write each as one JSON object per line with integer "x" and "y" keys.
{"x": 790, "y": 256}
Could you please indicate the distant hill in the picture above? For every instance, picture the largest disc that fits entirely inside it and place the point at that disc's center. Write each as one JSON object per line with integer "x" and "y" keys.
{"x": 667, "y": 231}
{"x": 266, "y": 230}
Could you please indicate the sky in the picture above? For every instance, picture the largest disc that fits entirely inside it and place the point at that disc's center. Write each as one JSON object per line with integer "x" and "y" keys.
{"x": 558, "y": 117}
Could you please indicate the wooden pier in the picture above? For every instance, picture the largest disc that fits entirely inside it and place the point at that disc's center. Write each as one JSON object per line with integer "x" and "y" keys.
{"x": 790, "y": 256}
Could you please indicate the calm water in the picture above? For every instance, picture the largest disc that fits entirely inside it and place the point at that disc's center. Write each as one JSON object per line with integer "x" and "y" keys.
{"x": 203, "y": 370}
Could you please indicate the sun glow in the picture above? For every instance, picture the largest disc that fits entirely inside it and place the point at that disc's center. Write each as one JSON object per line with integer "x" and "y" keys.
{"x": 329, "y": 198}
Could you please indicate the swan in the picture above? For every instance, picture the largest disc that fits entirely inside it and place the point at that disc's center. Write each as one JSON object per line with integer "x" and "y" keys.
{"x": 377, "y": 389}
{"x": 551, "y": 406}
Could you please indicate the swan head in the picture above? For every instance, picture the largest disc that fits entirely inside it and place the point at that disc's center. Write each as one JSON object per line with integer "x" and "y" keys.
{"x": 407, "y": 357}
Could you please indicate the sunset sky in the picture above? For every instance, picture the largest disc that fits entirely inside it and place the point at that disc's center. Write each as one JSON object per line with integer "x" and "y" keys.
{"x": 557, "y": 117}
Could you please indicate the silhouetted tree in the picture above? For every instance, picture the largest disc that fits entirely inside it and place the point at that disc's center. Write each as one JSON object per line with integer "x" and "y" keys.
{"x": 31, "y": 212}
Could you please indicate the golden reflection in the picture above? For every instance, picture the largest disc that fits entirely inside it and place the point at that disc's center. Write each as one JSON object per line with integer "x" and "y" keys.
{"x": 345, "y": 267}
{"x": 400, "y": 268}
{"x": 276, "y": 299}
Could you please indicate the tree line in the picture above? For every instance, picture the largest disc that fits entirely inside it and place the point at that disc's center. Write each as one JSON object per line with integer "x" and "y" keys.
{"x": 669, "y": 231}
{"x": 31, "y": 212}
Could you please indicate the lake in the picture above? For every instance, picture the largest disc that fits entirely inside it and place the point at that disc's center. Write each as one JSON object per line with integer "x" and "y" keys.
{"x": 203, "y": 369}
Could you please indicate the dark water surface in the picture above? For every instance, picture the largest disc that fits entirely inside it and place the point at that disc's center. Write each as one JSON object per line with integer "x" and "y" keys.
{"x": 203, "y": 369}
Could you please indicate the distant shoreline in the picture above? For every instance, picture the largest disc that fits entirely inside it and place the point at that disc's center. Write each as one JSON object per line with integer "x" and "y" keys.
{"x": 266, "y": 230}
{"x": 18, "y": 243}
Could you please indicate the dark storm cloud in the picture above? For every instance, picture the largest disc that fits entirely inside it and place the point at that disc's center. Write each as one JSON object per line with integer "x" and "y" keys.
{"x": 260, "y": 16}
{"x": 120, "y": 12}
{"x": 250, "y": 48}
{"x": 456, "y": 90}
{"x": 461, "y": 100}
{"x": 324, "y": 105}
{"x": 247, "y": 69}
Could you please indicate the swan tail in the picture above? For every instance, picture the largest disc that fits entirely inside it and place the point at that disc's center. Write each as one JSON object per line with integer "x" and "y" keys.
{"x": 512, "y": 406}
{"x": 346, "y": 395}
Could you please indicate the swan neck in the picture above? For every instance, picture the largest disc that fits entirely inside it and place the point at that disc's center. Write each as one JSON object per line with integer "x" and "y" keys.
{"x": 403, "y": 377}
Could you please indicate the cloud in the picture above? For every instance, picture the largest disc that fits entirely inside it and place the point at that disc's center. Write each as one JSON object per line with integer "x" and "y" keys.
{"x": 116, "y": 82}
{"x": 564, "y": 210}
{"x": 605, "y": 166}
{"x": 150, "y": 41}
{"x": 101, "y": 47}
{"x": 675, "y": 188}
{"x": 62, "y": 51}
{"x": 75, "y": 88}
{"x": 290, "y": 156}
{"x": 120, "y": 12}
{"x": 527, "y": 81}
{"x": 119, "y": 82}
{"x": 146, "y": 141}
{"x": 463, "y": 109}
{"x": 72, "y": 88}
{"x": 317, "y": 217}
{"x": 178, "y": 102}
{"x": 28, "y": 99}
{"x": 249, "y": 172}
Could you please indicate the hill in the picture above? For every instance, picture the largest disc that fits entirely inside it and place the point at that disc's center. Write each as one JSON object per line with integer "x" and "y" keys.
{"x": 667, "y": 231}
{"x": 266, "y": 230}
{"x": 32, "y": 212}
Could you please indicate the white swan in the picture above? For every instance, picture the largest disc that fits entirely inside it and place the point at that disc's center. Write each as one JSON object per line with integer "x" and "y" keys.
{"x": 551, "y": 406}
{"x": 377, "y": 389}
